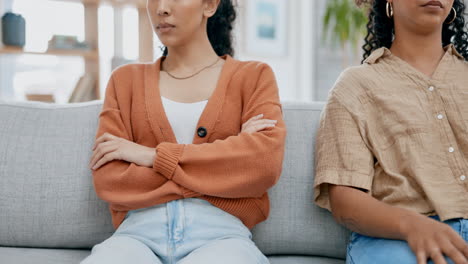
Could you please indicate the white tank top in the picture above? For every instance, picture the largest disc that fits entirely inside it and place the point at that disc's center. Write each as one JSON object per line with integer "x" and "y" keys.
{"x": 183, "y": 118}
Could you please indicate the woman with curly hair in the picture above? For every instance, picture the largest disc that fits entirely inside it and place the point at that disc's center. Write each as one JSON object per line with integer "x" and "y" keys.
{"x": 392, "y": 148}
{"x": 188, "y": 146}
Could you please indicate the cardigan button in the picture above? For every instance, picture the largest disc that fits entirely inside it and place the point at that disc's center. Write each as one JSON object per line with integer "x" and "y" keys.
{"x": 201, "y": 132}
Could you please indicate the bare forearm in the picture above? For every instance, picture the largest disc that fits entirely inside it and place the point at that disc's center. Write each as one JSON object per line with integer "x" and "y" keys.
{"x": 364, "y": 214}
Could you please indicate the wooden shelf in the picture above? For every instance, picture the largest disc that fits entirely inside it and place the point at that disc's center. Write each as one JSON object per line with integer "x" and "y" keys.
{"x": 91, "y": 55}
{"x": 137, "y": 3}
{"x": 91, "y": 17}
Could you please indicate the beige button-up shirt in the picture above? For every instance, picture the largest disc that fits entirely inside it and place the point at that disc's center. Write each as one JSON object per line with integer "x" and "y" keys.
{"x": 399, "y": 134}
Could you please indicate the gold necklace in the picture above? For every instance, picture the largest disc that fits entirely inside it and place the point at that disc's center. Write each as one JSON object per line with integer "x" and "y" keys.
{"x": 190, "y": 76}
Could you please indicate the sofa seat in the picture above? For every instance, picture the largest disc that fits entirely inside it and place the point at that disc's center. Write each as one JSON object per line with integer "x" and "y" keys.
{"x": 14, "y": 255}
{"x": 49, "y": 211}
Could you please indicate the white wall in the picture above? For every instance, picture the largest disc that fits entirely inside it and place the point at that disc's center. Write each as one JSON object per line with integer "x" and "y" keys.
{"x": 312, "y": 65}
{"x": 1, "y": 14}
{"x": 2, "y": 65}
{"x": 5, "y": 5}
{"x": 294, "y": 72}
{"x": 329, "y": 61}
{"x": 7, "y": 62}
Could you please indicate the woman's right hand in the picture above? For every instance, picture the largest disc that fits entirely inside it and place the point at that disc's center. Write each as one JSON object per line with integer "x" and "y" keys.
{"x": 430, "y": 239}
{"x": 427, "y": 238}
{"x": 257, "y": 124}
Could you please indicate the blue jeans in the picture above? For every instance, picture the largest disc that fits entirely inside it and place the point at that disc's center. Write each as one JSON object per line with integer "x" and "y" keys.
{"x": 181, "y": 231}
{"x": 363, "y": 249}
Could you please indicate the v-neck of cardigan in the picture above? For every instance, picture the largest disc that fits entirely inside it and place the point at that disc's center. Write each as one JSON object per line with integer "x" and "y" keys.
{"x": 157, "y": 117}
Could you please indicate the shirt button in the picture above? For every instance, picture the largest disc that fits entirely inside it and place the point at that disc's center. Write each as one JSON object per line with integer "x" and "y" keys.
{"x": 201, "y": 132}
{"x": 463, "y": 177}
{"x": 451, "y": 149}
{"x": 431, "y": 88}
{"x": 440, "y": 116}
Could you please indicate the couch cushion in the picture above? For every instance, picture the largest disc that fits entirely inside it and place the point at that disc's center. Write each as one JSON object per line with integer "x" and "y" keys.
{"x": 48, "y": 200}
{"x": 60, "y": 256}
{"x": 41, "y": 256}
{"x": 46, "y": 194}
{"x": 303, "y": 260}
{"x": 295, "y": 224}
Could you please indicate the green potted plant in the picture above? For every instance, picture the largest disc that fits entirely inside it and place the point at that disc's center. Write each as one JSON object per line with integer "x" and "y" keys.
{"x": 344, "y": 23}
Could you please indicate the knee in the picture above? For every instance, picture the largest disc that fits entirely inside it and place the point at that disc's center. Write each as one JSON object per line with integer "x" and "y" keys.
{"x": 121, "y": 249}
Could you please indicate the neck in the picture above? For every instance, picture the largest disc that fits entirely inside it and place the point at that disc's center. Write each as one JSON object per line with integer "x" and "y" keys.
{"x": 423, "y": 51}
{"x": 197, "y": 53}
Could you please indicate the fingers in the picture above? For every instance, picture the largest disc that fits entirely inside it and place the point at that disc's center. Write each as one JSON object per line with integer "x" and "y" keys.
{"x": 105, "y": 137}
{"x": 457, "y": 249}
{"x": 435, "y": 253}
{"x": 438, "y": 242}
{"x": 256, "y": 124}
{"x": 258, "y": 117}
{"x": 421, "y": 257}
{"x": 262, "y": 124}
{"x": 454, "y": 254}
{"x": 438, "y": 250}
{"x": 259, "y": 125}
{"x": 106, "y": 158}
{"x": 101, "y": 150}
{"x": 437, "y": 257}
{"x": 445, "y": 247}
{"x": 246, "y": 124}
{"x": 460, "y": 244}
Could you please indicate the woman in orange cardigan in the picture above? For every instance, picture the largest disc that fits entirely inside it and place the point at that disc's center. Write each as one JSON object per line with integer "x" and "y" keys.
{"x": 188, "y": 146}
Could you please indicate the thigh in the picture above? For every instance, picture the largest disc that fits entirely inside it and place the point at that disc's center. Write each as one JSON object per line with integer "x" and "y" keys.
{"x": 364, "y": 249}
{"x": 226, "y": 251}
{"x": 121, "y": 250}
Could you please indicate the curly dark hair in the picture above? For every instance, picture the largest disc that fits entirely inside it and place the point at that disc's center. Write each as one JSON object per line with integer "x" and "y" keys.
{"x": 380, "y": 29}
{"x": 220, "y": 27}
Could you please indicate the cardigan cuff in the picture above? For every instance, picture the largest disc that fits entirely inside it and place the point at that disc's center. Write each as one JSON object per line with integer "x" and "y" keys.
{"x": 189, "y": 193}
{"x": 167, "y": 158}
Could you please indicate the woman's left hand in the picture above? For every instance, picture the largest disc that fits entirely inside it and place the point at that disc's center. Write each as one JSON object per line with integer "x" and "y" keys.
{"x": 109, "y": 147}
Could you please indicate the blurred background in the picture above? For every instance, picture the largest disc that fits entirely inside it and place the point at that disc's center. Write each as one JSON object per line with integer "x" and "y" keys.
{"x": 63, "y": 51}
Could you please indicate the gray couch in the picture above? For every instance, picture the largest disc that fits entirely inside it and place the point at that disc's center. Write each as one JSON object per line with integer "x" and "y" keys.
{"x": 49, "y": 212}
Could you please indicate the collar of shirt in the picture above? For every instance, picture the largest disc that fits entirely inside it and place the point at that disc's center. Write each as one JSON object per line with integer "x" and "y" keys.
{"x": 394, "y": 65}
{"x": 385, "y": 52}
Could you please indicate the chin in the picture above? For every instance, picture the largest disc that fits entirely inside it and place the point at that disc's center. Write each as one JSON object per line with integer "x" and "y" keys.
{"x": 432, "y": 20}
{"x": 429, "y": 24}
{"x": 168, "y": 41}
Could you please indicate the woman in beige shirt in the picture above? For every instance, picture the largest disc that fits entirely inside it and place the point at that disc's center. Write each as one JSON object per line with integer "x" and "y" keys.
{"x": 392, "y": 148}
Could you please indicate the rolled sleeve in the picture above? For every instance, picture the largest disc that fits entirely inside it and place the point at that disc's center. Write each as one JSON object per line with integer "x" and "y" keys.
{"x": 342, "y": 153}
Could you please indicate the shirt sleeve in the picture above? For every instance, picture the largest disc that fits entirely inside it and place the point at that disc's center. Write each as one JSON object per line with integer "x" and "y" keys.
{"x": 342, "y": 153}
{"x": 244, "y": 165}
{"x": 127, "y": 185}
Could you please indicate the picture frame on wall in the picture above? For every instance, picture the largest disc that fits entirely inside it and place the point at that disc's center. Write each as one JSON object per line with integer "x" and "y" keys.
{"x": 266, "y": 27}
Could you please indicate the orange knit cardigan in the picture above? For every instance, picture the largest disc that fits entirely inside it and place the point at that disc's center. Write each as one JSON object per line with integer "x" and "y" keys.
{"x": 230, "y": 170}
